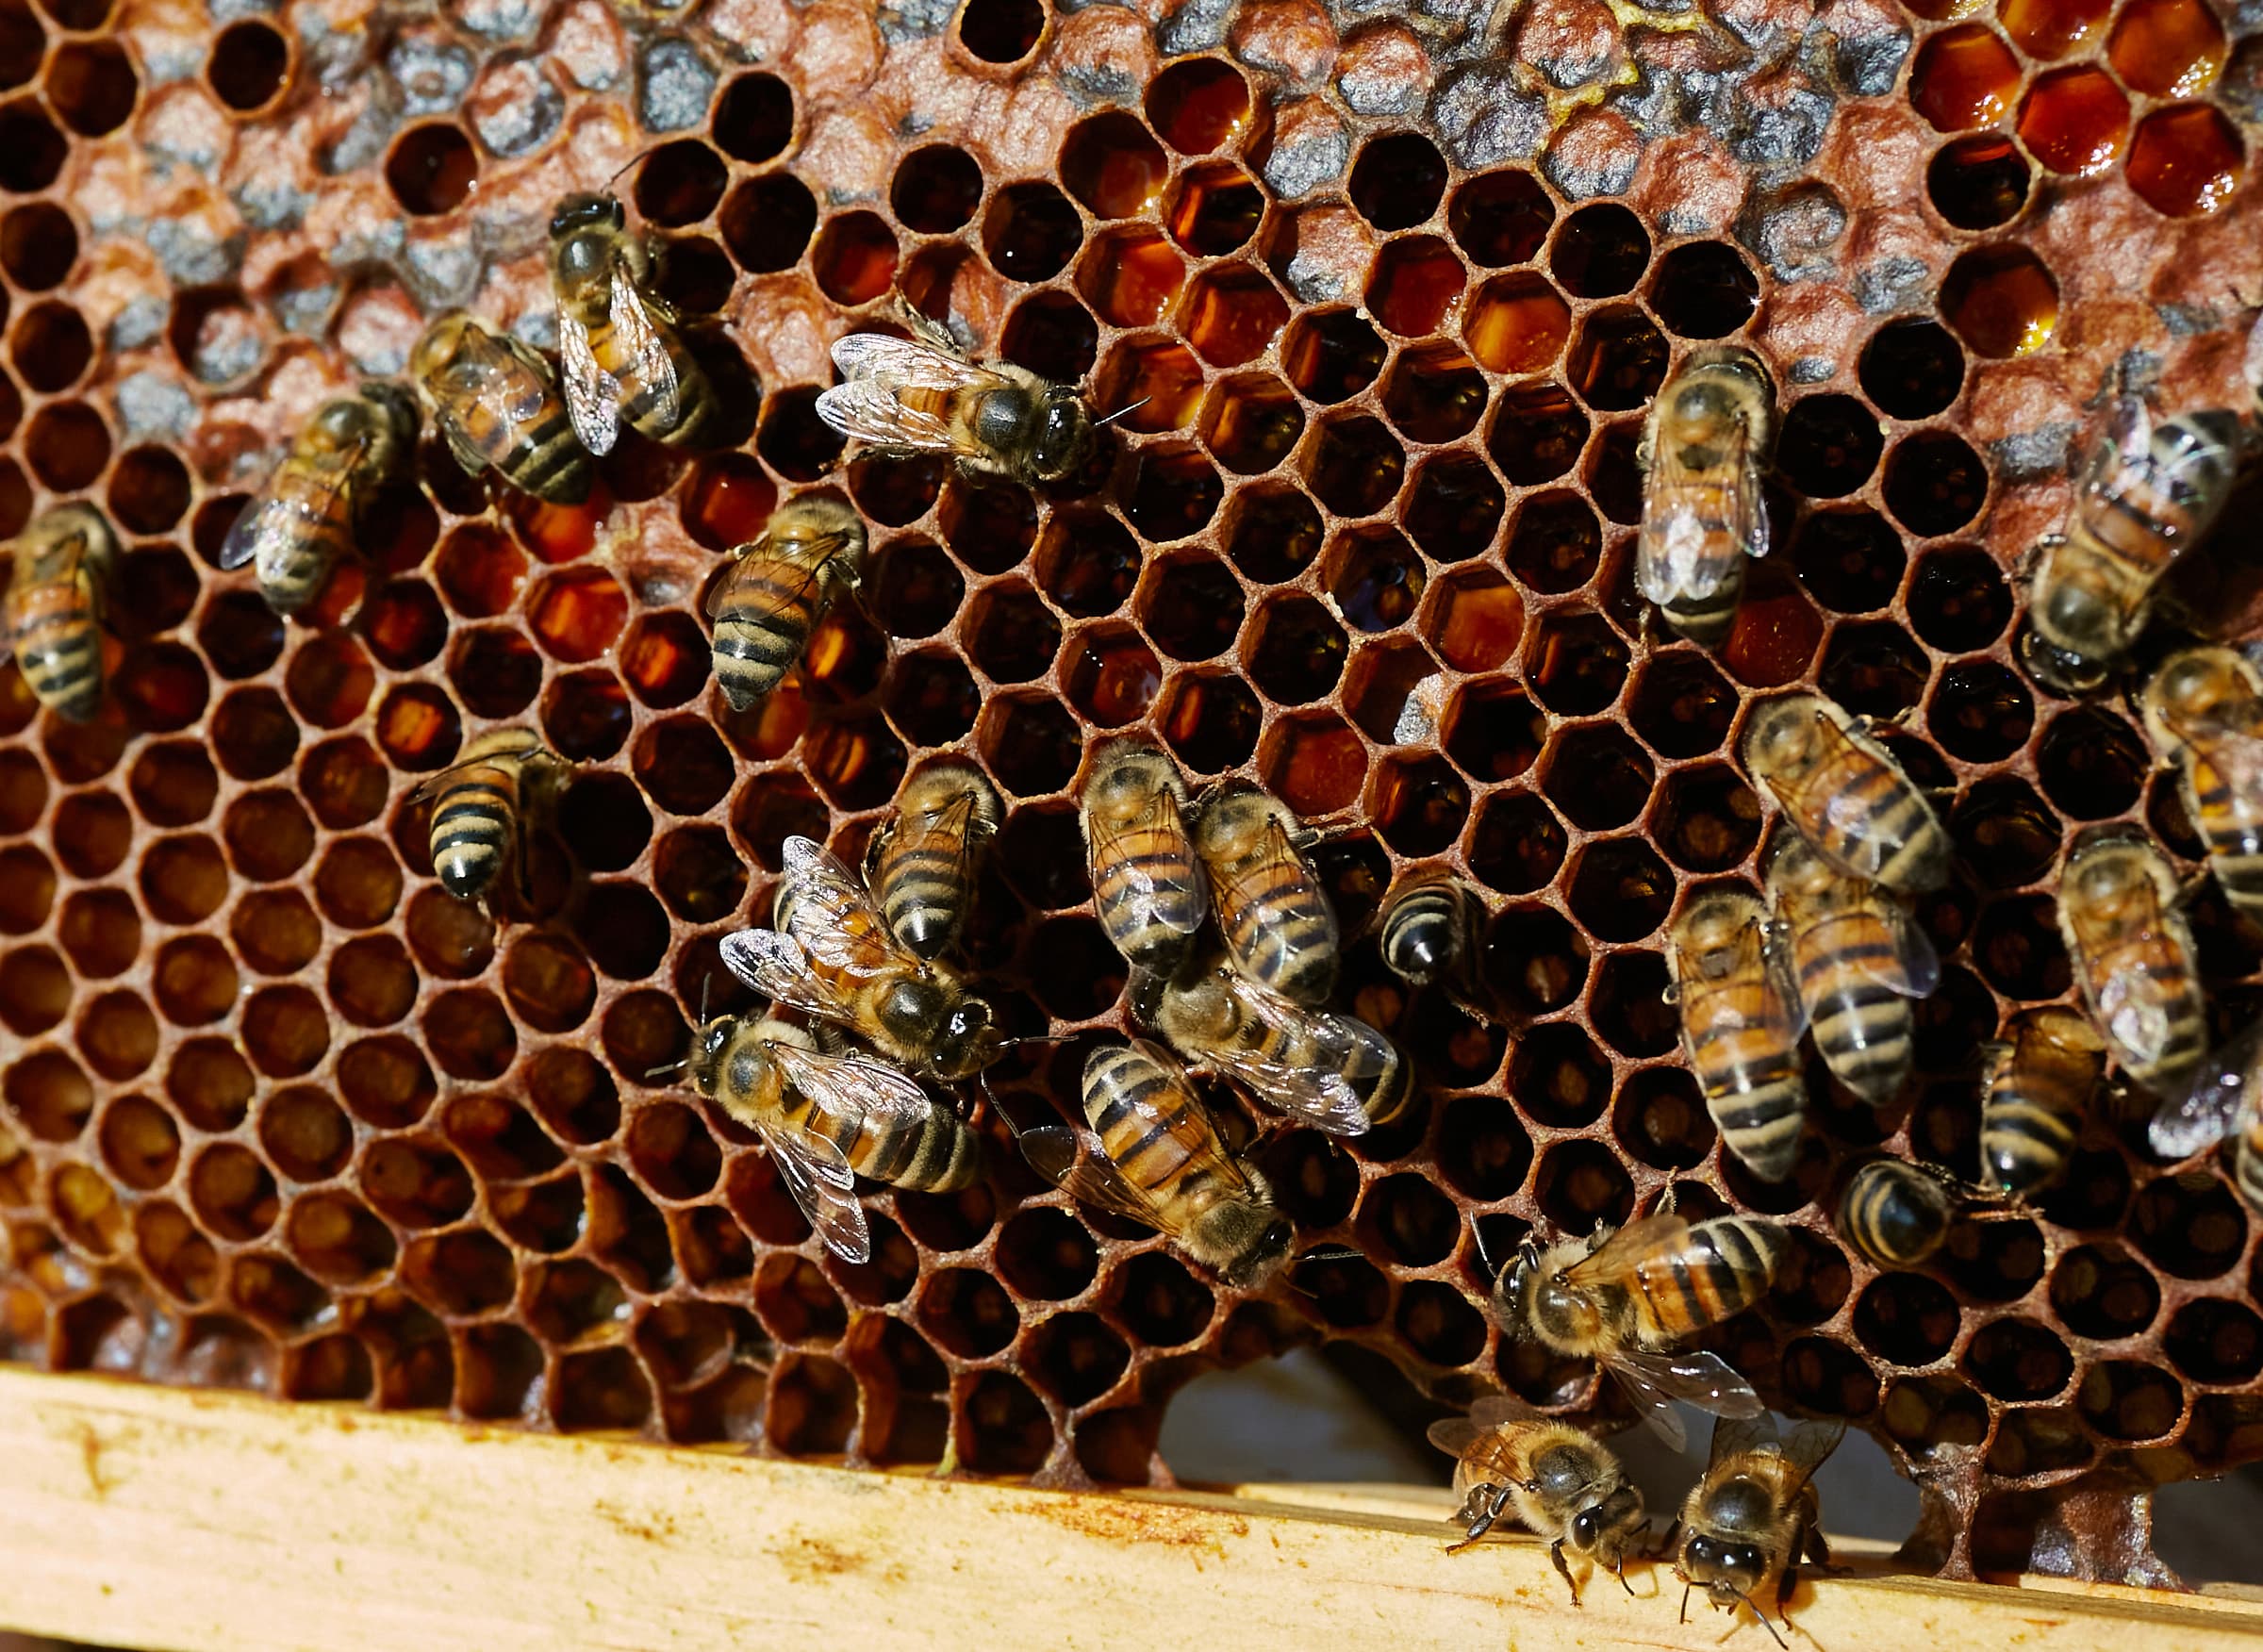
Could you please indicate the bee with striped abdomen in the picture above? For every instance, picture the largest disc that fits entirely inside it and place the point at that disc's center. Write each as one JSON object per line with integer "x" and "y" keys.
{"x": 483, "y": 801}
{"x": 778, "y": 590}
{"x": 1703, "y": 449}
{"x": 1155, "y": 1156}
{"x": 616, "y": 337}
{"x": 1325, "y": 1069}
{"x": 496, "y": 403}
{"x": 1148, "y": 889}
{"x": 920, "y": 863}
{"x": 56, "y": 596}
{"x": 832, "y": 955}
{"x": 2148, "y": 492}
{"x": 2204, "y": 708}
{"x": 1843, "y": 792}
{"x": 1754, "y": 1514}
{"x": 1857, "y": 960}
{"x": 2224, "y": 1099}
{"x": 1628, "y": 1299}
{"x": 1895, "y": 1216}
{"x": 827, "y": 1119}
{"x": 1278, "y": 926}
{"x": 1430, "y": 935}
{"x": 2133, "y": 956}
{"x": 1566, "y": 1486}
{"x": 1741, "y": 1022}
{"x": 921, "y": 395}
{"x": 308, "y": 514}
{"x": 2037, "y": 1087}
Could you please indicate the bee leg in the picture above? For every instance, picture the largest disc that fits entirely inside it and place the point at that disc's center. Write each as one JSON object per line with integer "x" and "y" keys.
{"x": 1665, "y": 1548}
{"x": 1685, "y": 1604}
{"x": 1621, "y": 1570}
{"x": 1556, "y": 1554}
{"x": 1483, "y": 1522}
{"x": 1818, "y": 1548}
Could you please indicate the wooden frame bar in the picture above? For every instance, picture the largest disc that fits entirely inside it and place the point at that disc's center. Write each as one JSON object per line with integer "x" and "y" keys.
{"x": 203, "y": 1522}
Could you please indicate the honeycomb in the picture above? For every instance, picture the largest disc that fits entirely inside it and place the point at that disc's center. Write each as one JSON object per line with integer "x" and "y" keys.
{"x": 1381, "y": 296}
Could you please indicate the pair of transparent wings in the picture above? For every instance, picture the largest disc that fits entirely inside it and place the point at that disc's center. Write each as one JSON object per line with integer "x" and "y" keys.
{"x": 1654, "y": 1378}
{"x": 871, "y": 405}
{"x": 1170, "y": 890}
{"x": 1911, "y": 968}
{"x": 1759, "y": 954}
{"x": 1804, "y": 1450}
{"x": 274, "y": 520}
{"x": 831, "y": 926}
{"x": 593, "y": 395}
{"x": 2222, "y": 1099}
{"x": 1672, "y": 565}
{"x": 1074, "y": 1161}
{"x": 1318, "y": 1087}
{"x": 2138, "y": 1010}
{"x": 1851, "y": 814}
{"x": 813, "y": 1168}
{"x": 2134, "y": 454}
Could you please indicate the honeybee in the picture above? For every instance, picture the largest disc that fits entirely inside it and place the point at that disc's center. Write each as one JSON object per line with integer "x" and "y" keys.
{"x": 616, "y": 339}
{"x": 779, "y": 589}
{"x": 2147, "y": 494}
{"x": 922, "y": 395}
{"x": 1148, "y": 889}
{"x": 1625, "y": 1298}
{"x": 1328, "y": 1070}
{"x": 1278, "y": 926}
{"x": 1895, "y": 1214}
{"x": 496, "y": 403}
{"x": 832, "y": 956}
{"x": 2037, "y": 1087}
{"x": 1428, "y": 935}
{"x": 2133, "y": 957}
{"x": 1567, "y": 1487}
{"x": 2225, "y": 1099}
{"x": 485, "y": 797}
{"x": 1754, "y": 1514}
{"x": 1856, "y": 960}
{"x": 56, "y": 596}
{"x": 1844, "y": 793}
{"x": 827, "y": 1119}
{"x": 1159, "y": 1161}
{"x": 1703, "y": 449}
{"x": 920, "y": 864}
{"x": 1741, "y": 1022}
{"x": 308, "y": 514}
{"x": 2205, "y": 708}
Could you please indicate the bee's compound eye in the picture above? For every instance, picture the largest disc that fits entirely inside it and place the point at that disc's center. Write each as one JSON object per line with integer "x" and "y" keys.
{"x": 1063, "y": 432}
{"x": 1587, "y": 1530}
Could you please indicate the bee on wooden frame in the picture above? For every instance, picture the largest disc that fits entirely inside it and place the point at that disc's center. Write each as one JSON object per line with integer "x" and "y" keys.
{"x": 1755, "y": 1515}
{"x": 1566, "y": 1486}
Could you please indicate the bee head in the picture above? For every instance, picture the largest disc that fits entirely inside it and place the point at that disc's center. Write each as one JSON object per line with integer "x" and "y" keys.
{"x": 1780, "y": 739}
{"x": 1725, "y": 1569}
{"x": 395, "y": 417}
{"x": 580, "y": 212}
{"x": 2065, "y": 670}
{"x": 439, "y": 345}
{"x": 1611, "y": 1529}
{"x": 1256, "y": 1236}
{"x": 1063, "y": 437}
{"x": 583, "y": 236}
{"x": 969, "y": 1041}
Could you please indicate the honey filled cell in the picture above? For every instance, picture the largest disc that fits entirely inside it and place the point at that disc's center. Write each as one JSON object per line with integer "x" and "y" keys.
{"x": 1369, "y": 374}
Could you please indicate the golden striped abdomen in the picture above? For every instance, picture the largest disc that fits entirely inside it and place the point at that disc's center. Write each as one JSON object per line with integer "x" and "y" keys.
{"x": 1149, "y": 922}
{"x": 1720, "y": 1269}
{"x": 763, "y": 619}
{"x": 642, "y": 405}
{"x": 1862, "y": 1027}
{"x": 1278, "y": 928}
{"x": 2231, "y": 824}
{"x": 1155, "y": 1131}
{"x": 54, "y": 625}
{"x": 1857, "y": 803}
{"x": 935, "y": 1155}
{"x": 471, "y": 827}
{"x": 1748, "y": 1069}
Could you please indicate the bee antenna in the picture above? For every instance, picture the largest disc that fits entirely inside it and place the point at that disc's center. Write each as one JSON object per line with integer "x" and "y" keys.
{"x": 1121, "y": 412}
{"x": 1330, "y": 1256}
{"x": 1484, "y": 1255}
{"x": 672, "y": 1069}
{"x": 1764, "y": 1622}
{"x": 628, "y": 164}
{"x": 1621, "y": 1570}
{"x": 1685, "y": 1603}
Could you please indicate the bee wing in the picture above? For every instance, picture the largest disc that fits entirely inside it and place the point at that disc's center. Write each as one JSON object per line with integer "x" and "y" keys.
{"x": 1763, "y": 949}
{"x": 1320, "y": 1097}
{"x": 1656, "y": 1380}
{"x": 273, "y": 516}
{"x": 2208, "y": 1111}
{"x": 775, "y": 966}
{"x": 718, "y": 598}
{"x": 1811, "y": 1443}
{"x": 1613, "y": 1263}
{"x": 433, "y": 784}
{"x": 504, "y": 375}
{"x": 1174, "y": 888}
{"x": 1280, "y": 851}
{"x": 592, "y": 394}
{"x": 832, "y": 918}
{"x": 819, "y": 1176}
{"x": 870, "y": 412}
{"x": 1744, "y": 1431}
{"x": 1062, "y": 1157}
{"x": 2133, "y": 1007}
{"x": 2118, "y": 458}
{"x": 633, "y": 320}
{"x": 854, "y": 1085}
{"x": 887, "y": 361}
{"x": 1456, "y": 1435}
{"x": 1916, "y": 967}
{"x": 2226, "y": 739}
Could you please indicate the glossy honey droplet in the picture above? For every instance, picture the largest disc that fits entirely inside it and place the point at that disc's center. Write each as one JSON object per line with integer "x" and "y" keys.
{"x": 1964, "y": 77}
